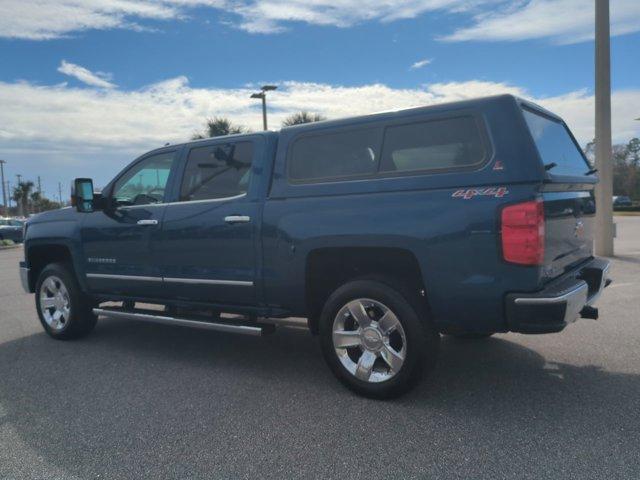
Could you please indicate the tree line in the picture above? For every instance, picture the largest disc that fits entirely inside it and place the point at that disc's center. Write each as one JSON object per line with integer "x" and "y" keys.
{"x": 219, "y": 126}
{"x": 28, "y": 200}
{"x": 626, "y": 167}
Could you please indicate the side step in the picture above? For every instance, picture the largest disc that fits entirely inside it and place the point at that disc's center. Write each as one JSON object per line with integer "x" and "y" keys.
{"x": 156, "y": 317}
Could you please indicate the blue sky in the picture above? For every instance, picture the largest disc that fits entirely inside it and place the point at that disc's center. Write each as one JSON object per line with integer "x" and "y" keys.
{"x": 87, "y": 85}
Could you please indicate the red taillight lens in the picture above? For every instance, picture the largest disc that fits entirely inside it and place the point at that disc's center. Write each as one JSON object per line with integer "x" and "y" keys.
{"x": 523, "y": 233}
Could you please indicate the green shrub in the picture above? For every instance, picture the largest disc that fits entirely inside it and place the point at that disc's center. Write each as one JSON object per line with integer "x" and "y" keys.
{"x": 7, "y": 243}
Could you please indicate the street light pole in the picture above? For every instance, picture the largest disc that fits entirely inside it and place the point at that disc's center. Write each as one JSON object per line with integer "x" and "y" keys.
{"x": 4, "y": 192}
{"x": 264, "y": 111}
{"x": 604, "y": 190}
{"x": 262, "y": 94}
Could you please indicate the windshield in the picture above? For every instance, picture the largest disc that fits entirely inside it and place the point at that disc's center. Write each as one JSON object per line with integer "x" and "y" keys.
{"x": 555, "y": 145}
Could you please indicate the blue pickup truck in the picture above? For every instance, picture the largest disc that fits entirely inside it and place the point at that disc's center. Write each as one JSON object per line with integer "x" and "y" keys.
{"x": 379, "y": 233}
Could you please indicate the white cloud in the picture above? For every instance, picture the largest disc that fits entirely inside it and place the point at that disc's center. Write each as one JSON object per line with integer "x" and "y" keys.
{"x": 61, "y": 132}
{"x": 97, "y": 79}
{"x": 47, "y": 19}
{"x": 420, "y": 64}
{"x": 171, "y": 110}
{"x": 268, "y": 16}
{"x": 61, "y": 117}
{"x": 564, "y": 21}
{"x": 494, "y": 20}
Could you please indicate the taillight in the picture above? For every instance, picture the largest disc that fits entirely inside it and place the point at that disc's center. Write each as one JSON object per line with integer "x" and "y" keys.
{"x": 523, "y": 233}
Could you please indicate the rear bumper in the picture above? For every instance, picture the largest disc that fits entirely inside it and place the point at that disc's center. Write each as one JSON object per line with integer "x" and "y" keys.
{"x": 562, "y": 302}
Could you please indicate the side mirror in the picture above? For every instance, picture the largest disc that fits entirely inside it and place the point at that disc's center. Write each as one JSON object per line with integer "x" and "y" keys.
{"x": 82, "y": 195}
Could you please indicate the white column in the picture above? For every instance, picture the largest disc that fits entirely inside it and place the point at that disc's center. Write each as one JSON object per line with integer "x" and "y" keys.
{"x": 604, "y": 190}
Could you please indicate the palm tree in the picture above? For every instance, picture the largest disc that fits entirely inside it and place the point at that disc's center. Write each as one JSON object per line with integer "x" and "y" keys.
{"x": 21, "y": 194}
{"x": 302, "y": 117}
{"x": 219, "y": 126}
{"x": 36, "y": 199}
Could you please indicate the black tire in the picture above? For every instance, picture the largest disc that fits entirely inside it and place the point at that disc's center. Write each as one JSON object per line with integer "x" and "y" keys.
{"x": 81, "y": 319}
{"x": 421, "y": 339}
{"x": 471, "y": 336}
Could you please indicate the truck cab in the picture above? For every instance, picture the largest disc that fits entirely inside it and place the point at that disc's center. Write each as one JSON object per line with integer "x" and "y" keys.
{"x": 378, "y": 233}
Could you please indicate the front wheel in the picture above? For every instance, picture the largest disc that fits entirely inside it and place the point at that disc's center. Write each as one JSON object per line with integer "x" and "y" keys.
{"x": 64, "y": 311}
{"x": 375, "y": 340}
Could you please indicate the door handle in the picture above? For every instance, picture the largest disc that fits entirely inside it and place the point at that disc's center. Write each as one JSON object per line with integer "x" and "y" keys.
{"x": 147, "y": 222}
{"x": 237, "y": 219}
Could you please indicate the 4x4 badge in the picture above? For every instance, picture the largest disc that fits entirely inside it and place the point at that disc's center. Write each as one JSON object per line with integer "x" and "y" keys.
{"x": 469, "y": 193}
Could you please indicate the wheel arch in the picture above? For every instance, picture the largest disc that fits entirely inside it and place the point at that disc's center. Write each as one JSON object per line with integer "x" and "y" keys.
{"x": 328, "y": 268}
{"x": 41, "y": 254}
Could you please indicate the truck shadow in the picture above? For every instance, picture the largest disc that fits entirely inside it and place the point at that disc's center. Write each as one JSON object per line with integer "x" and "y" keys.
{"x": 143, "y": 393}
{"x": 627, "y": 258}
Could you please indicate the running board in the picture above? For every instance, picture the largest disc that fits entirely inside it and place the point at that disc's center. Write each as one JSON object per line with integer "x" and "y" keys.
{"x": 182, "y": 322}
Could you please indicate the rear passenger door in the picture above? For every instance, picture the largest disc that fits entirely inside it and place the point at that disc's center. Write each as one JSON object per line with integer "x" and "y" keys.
{"x": 207, "y": 243}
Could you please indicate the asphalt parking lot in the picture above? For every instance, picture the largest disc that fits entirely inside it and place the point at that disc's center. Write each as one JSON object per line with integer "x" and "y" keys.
{"x": 146, "y": 401}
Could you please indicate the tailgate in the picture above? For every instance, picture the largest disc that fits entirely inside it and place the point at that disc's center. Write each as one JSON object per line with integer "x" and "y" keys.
{"x": 569, "y": 220}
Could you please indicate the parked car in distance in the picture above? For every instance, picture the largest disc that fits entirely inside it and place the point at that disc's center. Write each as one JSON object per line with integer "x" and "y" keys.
{"x": 622, "y": 201}
{"x": 380, "y": 232}
{"x": 11, "y": 229}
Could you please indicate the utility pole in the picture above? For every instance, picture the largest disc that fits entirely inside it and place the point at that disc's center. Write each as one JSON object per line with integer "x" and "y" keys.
{"x": 39, "y": 186}
{"x": 60, "y": 194}
{"x": 9, "y": 190}
{"x": 262, "y": 94}
{"x": 604, "y": 190}
{"x": 4, "y": 192}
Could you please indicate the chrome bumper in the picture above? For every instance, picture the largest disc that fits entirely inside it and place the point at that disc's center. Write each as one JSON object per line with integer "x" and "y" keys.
{"x": 562, "y": 302}
{"x": 574, "y": 301}
{"x": 24, "y": 279}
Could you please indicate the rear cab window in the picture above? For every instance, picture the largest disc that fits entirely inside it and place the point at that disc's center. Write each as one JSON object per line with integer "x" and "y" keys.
{"x": 217, "y": 171}
{"x": 555, "y": 145}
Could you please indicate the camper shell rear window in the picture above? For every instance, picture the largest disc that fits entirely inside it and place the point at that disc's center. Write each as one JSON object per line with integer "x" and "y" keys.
{"x": 555, "y": 145}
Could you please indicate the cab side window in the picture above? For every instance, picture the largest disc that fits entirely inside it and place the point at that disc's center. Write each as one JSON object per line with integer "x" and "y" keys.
{"x": 145, "y": 182}
{"x": 217, "y": 171}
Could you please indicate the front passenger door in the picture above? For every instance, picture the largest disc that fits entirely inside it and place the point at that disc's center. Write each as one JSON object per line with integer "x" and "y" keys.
{"x": 118, "y": 241}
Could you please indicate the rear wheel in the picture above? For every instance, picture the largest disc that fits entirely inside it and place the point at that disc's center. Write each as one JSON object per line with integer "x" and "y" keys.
{"x": 64, "y": 311}
{"x": 374, "y": 340}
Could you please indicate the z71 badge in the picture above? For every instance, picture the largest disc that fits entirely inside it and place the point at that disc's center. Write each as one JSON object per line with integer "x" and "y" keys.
{"x": 469, "y": 193}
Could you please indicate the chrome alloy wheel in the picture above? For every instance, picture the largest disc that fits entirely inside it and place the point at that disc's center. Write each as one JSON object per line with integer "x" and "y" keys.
{"x": 55, "y": 303}
{"x": 369, "y": 340}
